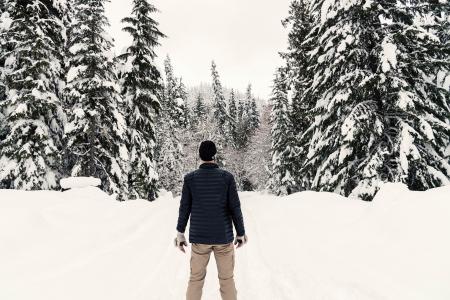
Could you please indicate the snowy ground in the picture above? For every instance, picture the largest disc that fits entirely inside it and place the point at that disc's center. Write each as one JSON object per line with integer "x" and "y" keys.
{"x": 81, "y": 244}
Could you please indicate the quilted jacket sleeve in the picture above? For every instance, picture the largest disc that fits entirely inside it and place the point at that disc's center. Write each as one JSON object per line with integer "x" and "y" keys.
{"x": 234, "y": 205}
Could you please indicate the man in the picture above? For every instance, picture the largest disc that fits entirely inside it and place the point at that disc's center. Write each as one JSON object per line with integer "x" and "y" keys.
{"x": 211, "y": 200}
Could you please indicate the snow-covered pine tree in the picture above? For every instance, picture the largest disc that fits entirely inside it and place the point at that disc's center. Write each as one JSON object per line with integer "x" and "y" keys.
{"x": 346, "y": 145}
{"x": 6, "y": 8}
{"x": 443, "y": 20}
{"x": 413, "y": 82}
{"x": 67, "y": 20}
{"x": 199, "y": 111}
{"x": 96, "y": 131}
{"x": 219, "y": 104}
{"x": 252, "y": 111}
{"x": 247, "y": 118}
{"x": 5, "y": 22}
{"x": 33, "y": 116}
{"x": 380, "y": 113}
{"x": 242, "y": 136}
{"x": 258, "y": 153}
{"x": 247, "y": 101}
{"x": 173, "y": 95}
{"x": 441, "y": 24}
{"x": 184, "y": 96}
{"x": 282, "y": 181}
{"x": 300, "y": 42}
{"x": 240, "y": 109}
{"x": 142, "y": 89}
{"x": 232, "y": 112}
{"x": 171, "y": 124}
{"x": 169, "y": 153}
{"x": 241, "y": 124}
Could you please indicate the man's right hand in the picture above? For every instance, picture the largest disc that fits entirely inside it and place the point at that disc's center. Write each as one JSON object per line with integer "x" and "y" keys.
{"x": 180, "y": 242}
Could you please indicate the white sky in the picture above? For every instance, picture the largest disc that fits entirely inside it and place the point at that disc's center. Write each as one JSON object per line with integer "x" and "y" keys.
{"x": 242, "y": 36}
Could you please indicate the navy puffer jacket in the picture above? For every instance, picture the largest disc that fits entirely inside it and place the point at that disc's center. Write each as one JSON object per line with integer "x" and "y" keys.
{"x": 211, "y": 200}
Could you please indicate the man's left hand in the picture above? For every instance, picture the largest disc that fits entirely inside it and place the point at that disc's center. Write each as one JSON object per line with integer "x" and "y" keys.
{"x": 240, "y": 241}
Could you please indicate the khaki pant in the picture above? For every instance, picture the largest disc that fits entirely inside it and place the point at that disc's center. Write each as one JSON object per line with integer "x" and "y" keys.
{"x": 224, "y": 255}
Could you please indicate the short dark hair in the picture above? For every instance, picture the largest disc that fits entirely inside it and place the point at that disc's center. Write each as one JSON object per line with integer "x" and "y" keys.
{"x": 207, "y": 150}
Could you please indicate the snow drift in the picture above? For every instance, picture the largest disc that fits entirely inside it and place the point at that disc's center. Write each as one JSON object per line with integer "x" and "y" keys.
{"x": 82, "y": 244}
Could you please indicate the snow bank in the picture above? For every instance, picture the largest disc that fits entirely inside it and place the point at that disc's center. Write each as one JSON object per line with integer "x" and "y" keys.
{"x": 82, "y": 244}
{"x": 79, "y": 182}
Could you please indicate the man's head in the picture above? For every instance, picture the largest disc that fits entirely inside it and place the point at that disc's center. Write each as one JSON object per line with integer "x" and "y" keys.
{"x": 207, "y": 151}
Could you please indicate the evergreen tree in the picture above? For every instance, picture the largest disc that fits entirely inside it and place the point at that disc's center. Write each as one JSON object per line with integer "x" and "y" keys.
{"x": 345, "y": 146}
{"x": 253, "y": 115}
{"x": 282, "y": 181}
{"x": 170, "y": 128}
{"x": 232, "y": 112}
{"x": 5, "y": 22}
{"x": 174, "y": 96}
{"x": 96, "y": 132}
{"x": 240, "y": 109}
{"x": 247, "y": 102}
{"x": 242, "y": 130}
{"x": 247, "y": 118}
{"x": 170, "y": 154}
{"x": 301, "y": 41}
{"x": 416, "y": 105}
{"x": 258, "y": 154}
{"x": 142, "y": 90}
{"x": 219, "y": 104}
{"x": 169, "y": 150}
{"x": 32, "y": 127}
{"x": 378, "y": 113}
{"x": 184, "y": 96}
{"x": 200, "y": 111}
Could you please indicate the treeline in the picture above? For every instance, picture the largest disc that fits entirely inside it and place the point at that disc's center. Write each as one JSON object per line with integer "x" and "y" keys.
{"x": 363, "y": 97}
{"x": 233, "y": 120}
{"x": 70, "y": 107}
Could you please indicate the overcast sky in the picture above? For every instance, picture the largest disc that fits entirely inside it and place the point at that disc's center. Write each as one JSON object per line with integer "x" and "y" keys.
{"x": 242, "y": 36}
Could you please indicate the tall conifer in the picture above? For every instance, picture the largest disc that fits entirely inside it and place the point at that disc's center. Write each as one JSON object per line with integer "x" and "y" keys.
{"x": 282, "y": 181}
{"x": 142, "y": 90}
{"x": 219, "y": 104}
{"x": 232, "y": 112}
{"x": 32, "y": 127}
{"x": 96, "y": 132}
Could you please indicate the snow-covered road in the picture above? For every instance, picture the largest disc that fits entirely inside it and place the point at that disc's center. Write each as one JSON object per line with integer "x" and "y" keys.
{"x": 81, "y": 244}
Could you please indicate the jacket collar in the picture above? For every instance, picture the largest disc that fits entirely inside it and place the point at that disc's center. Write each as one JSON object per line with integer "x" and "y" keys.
{"x": 208, "y": 166}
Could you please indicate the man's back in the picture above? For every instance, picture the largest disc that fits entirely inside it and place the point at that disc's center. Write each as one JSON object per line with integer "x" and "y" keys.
{"x": 210, "y": 198}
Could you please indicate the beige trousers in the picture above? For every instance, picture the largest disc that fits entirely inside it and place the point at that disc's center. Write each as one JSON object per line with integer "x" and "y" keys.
{"x": 224, "y": 255}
